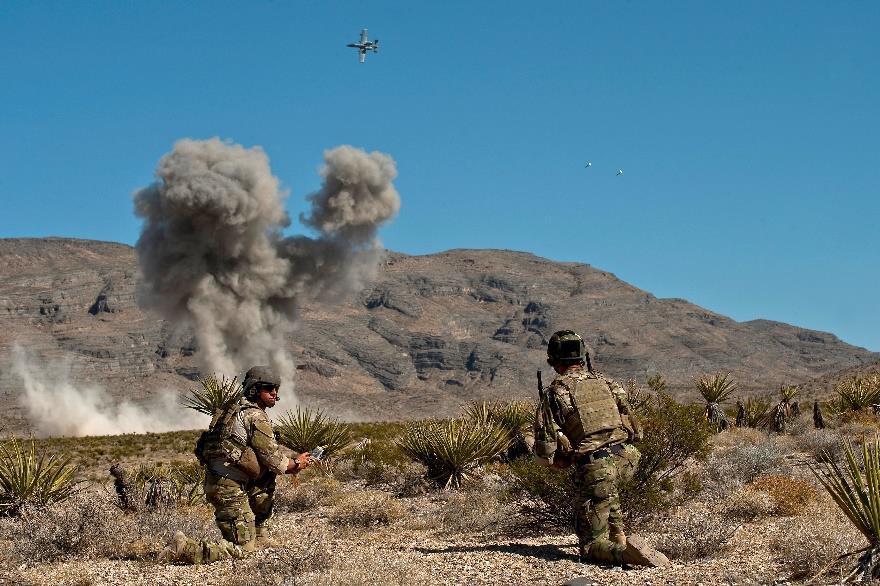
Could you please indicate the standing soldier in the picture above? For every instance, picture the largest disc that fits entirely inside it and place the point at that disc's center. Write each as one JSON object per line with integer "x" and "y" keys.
{"x": 242, "y": 459}
{"x": 595, "y": 427}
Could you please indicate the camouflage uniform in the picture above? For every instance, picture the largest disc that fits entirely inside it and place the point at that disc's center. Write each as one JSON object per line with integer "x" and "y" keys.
{"x": 594, "y": 415}
{"x": 242, "y": 492}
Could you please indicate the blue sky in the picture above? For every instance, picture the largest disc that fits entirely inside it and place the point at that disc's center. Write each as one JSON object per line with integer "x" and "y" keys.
{"x": 747, "y": 132}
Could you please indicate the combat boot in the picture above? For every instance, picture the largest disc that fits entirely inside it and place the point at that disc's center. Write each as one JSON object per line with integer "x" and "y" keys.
{"x": 639, "y": 553}
{"x": 264, "y": 540}
{"x": 616, "y": 535}
{"x": 178, "y": 550}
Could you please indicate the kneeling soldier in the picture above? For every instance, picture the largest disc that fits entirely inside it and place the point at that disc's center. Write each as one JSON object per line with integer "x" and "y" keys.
{"x": 242, "y": 459}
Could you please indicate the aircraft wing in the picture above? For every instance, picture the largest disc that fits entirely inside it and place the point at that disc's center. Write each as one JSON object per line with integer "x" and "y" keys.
{"x": 363, "y": 36}
{"x": 363, "y": 53}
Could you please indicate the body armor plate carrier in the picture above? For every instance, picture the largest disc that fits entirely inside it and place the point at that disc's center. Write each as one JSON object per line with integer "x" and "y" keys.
{"x": 594, "y": 408}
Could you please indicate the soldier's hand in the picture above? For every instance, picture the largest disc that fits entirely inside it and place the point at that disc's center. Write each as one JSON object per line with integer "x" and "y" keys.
{"x": 300, "y": 463}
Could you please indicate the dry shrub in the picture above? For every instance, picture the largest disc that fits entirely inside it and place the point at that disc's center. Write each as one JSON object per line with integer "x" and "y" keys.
{"x": 740, "y": 464}
{"x": 738, "y": 436}
{"x": 312, "y": 553}
{"x": 91, "y": 525}
{"x": 812, "y": 543}
{"x": 790, "y": 495}
{"x": 87, "y": 524}
{"x": 748, "y": 504}
{"x": 473, "y": 510}
{"x": 308, "y": 494}
{"x": 366, "y": 508}
{"x": 404, "y": 479}
{"x": 821, "y": 443}
{"x": 694, "y": 532}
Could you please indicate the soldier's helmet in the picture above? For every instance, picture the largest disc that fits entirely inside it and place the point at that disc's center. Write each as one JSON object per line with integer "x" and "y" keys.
{"x": 257, "y": 377}
{"x": 566, "y": 347}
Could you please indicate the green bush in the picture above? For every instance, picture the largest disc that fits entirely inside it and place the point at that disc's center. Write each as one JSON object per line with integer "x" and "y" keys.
{"x": 453, "y": 449}
{"x": 30, "y": 478}
{"x": 546, "y": 493}
{"x": 305, "y": 429}
{"x": 674, "y": 434}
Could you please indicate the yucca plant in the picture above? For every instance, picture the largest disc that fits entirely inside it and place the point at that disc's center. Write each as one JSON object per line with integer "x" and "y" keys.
{"x": 30, "y": 478}
{"x": 453, "y": 449}
{"x": 716, "y": 389}
{"x": 788, "y": 393}
{"x": 305, "y": 429}
{"x": 756, "y": 411}
{"x": 858, "y": 393}
{"x": 855, "y": 488}
{"x": 214, "y": 396}
{"x": 516, "y": 417}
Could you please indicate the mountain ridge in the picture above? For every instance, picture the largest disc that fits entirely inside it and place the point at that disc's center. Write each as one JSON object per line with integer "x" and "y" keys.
{"x": 429, "y": 333}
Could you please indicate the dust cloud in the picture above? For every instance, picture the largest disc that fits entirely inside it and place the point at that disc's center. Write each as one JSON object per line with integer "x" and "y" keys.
{"x": 55, "y": 406}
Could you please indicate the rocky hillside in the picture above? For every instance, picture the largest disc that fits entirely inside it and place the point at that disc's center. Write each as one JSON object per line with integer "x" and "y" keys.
{"x": 430, "y": 333}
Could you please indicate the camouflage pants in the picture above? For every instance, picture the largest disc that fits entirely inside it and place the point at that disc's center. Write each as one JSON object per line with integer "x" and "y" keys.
{"x": 597, "y": 503}
{"x": 238, "y": 511}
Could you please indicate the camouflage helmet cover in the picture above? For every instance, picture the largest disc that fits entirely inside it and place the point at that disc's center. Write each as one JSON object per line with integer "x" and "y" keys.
{"x": 566, "y": 346}
{"x": 259, "y": 375}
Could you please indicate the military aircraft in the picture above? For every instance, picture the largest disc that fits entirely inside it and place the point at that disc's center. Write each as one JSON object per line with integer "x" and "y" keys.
{"x": 589, "y": 164}
{"x": 364, "y": 45}
{"x": 619, "y": 172}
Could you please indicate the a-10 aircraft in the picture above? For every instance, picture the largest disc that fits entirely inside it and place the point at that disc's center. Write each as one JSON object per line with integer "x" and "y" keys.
{"x": 365, "y": 45}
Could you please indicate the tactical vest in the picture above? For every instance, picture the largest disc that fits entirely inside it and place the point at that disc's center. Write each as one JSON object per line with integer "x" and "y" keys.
{"x": 227, "y": 439}
{"x": 595, "y": 409}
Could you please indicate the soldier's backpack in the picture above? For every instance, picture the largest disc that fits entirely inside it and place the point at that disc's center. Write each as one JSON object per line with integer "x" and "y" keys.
{"x": 226, "y": 439}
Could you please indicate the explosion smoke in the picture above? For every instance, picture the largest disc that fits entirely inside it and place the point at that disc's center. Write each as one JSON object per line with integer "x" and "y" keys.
{"x": 212, "y": 254}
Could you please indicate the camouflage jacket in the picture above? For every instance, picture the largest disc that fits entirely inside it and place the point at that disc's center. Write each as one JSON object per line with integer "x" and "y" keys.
{"x": 240, "y": 444}
{"x": 261, "y": 439}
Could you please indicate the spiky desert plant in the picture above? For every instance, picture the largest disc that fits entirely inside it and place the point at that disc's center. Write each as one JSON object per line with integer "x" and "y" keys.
{"x": 214, "y": 395}
{"x": 715, "y": 388}
{"x": 27, "y": 477}
{"x": 516, "y": 417}
{"x": 857, "y": 393}
{"x": 756, "y": 411}
{"x": 788, "y": 392}
{"x": 305, "y": 429}
{"x": 513, "y": 416}
{"x": 855, "y": 488}
{"x": 453, "y": 449}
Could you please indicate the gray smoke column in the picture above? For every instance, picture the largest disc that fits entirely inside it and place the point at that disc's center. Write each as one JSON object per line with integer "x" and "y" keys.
{"x": 213, "y": 256}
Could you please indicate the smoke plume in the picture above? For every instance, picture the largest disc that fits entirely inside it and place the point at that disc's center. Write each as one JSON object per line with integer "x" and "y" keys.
{"x": 91, "y": 410}
{"x": 213, "y": 256}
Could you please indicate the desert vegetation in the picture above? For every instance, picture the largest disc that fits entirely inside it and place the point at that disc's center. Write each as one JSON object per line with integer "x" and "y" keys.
{"x": 461, "y": 500}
